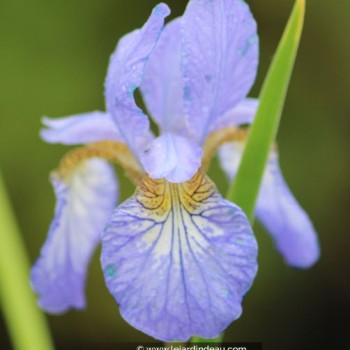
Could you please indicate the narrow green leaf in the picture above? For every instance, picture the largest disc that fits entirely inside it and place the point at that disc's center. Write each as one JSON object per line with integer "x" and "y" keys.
{"x": 263, "y": 132}
{"x": 25, "y": 322}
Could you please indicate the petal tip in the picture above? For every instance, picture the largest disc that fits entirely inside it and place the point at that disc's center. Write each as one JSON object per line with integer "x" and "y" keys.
{"x": 162, "y": 9}
{"x": 306, "y": 258}
{"x": 47, "y": 135}
{"x": 55, "y": 294}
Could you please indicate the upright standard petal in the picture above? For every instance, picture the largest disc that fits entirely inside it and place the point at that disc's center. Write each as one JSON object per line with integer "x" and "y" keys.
{"x": 80, "y": 129}
{"x": 84, "y": 203}
{"x": 219, "y": 60}
{"x": 173, "y": 157}
{"x": 125, "y": 75}
{"x": 278, "y": 210}
{"x": 178, "y": 259}
{"x": 162, "y": 83}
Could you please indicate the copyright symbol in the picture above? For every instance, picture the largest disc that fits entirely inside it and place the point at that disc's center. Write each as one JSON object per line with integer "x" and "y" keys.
{"x": 140, "y": 347}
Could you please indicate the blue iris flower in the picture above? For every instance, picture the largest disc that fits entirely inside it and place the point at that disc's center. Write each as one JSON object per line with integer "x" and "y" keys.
{"x": 176, "y": 256}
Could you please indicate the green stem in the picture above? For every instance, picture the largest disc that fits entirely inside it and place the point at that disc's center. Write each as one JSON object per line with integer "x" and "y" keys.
{"x": 26, "y": 324}
{"x": 208, "y": 341}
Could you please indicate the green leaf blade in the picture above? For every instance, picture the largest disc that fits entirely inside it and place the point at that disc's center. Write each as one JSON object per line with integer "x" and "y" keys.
{"x": 244, "y": 191}
{"x": 26, "y": 324}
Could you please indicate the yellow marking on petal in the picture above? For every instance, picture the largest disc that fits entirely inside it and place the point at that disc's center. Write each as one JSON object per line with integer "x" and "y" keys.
{"x": 161, "y": 196}
{"x": 113, "y": 151}
{"x": 193, "y": 192}
{"x": 218, "y": 138}
{"x": 153, "y": 195}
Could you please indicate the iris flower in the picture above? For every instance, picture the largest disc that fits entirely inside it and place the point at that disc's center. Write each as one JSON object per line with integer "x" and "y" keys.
{"x": 176, "y": 256}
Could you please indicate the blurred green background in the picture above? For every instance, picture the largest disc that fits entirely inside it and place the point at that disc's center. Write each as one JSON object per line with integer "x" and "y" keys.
{"x": 53, "y": 60}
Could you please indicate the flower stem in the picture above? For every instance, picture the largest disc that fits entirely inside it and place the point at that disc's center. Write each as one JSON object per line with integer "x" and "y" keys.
{"x": 200, "y": 340}
{"x": 26, "y": 324}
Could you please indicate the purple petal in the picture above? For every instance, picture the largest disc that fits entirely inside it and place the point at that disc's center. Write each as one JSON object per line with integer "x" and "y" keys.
{"x": 230, "y": 155}
{"x": 278, "y": 210}
{"x": 84, "y": 203}
{"x": 162, "y": 83}
{"x": 173, "y": 157}
{"x": 178, "y": 259}
{"x": 220, "y": 58}
{"x": 80, "y": 129}
{"x": 243, "y": 113}
{"x": 287, "y": 222}
{"x": 125, "y": 75}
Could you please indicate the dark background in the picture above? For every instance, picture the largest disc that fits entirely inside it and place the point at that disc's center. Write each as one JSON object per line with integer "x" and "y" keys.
{"x": 53, "y": 60}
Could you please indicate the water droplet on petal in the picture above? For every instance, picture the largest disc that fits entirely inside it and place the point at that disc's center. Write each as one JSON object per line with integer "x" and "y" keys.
{"x": 187, "y": 93}
{"x": 208, "y": 78}
{"x": 110, "y": 270}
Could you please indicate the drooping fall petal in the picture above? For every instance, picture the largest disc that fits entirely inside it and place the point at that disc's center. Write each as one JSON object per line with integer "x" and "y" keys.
{"x": 85, "y": 201}
{"x": 178, "y": 259}
{"x": 278, "y": 210}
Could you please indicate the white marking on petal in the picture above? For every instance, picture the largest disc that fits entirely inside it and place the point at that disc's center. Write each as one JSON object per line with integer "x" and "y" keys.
{"x": 84, "y": 202}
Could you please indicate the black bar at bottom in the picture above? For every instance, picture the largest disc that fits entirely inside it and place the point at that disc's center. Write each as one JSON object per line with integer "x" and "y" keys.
{"x": 175, "y": 346}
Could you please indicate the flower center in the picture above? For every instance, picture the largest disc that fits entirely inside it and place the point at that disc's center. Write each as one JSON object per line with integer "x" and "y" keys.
{"x": 120, "y": 154}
